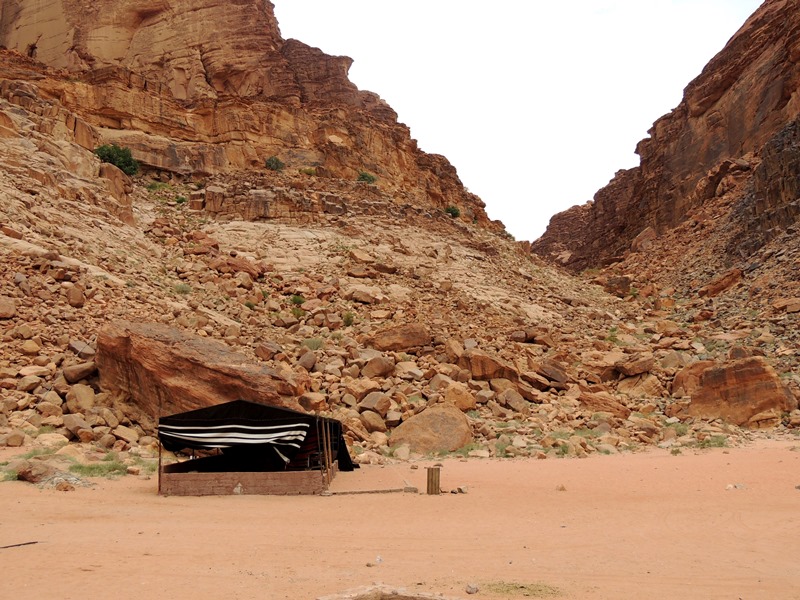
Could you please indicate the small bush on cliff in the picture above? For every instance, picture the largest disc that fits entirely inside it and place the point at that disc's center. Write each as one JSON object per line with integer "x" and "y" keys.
{"x": 367, "y": 177}
{"x": 119, "y": 157}
{"x": 453, "y": 211}
{"x": 275, "y": 164}
{"x": 157, "y": 186}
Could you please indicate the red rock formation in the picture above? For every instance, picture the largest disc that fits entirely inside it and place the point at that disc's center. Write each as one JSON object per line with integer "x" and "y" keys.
{"x": 148, "y": 76}
{"x": 744, "y": 97}
{"x": 740, "y": 391}
{"x": 164, "y": 370}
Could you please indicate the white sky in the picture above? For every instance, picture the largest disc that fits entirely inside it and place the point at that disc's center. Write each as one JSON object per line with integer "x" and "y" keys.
{"x": 537, "y": 104}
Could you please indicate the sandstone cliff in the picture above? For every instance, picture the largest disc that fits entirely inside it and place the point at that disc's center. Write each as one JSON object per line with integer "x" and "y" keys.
{"x": 148, "y": 75}
{"x": 743, "y": 99}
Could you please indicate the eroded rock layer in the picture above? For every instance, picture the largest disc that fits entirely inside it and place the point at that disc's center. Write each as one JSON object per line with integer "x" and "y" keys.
{"x": 148, "y": 75}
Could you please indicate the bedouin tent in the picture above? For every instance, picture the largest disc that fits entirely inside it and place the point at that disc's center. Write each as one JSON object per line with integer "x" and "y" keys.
{"x": 256, "y": 437}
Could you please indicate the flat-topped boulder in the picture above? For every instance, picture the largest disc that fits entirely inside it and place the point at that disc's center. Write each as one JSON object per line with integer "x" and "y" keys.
{"x": 740, "y": 390}
{"x": 165, "y": 370}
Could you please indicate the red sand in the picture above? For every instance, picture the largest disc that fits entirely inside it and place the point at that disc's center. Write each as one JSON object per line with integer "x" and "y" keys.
{"x": 636, "y": 526}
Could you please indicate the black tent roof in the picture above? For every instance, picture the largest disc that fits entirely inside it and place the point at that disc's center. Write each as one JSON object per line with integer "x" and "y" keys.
{"x": 244, "y": 428}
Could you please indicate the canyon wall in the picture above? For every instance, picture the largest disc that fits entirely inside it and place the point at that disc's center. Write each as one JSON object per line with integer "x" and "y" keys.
{"x": 194, "y": 99}
{"x": 744, "y": 98}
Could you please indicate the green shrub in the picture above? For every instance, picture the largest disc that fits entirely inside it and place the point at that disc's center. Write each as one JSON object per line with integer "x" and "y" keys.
{"x": 500, "y": 448}
{"x": 298, "y": 312}
{"x": 314, "y": 343}
{"x": 453, "y": 211}
{"x": 147, "y": 467}
{"x": 180, "y": 199}
{"x": 308, "y": 171}
{"x": 275, "y": 164}
{"x": 105, "y": 468}
{"x": 367, "y": 177}
{"x": 348, "y": 318}
{"x": 681, "y": 429}
{"x": 297, "y": 300}
{"x": 119, "y": 157}
{"x": 464, "y": 450}
{"x": 714, "y": 441}
{"x": 40, "y": 452}
{"x": 183, "y": 288}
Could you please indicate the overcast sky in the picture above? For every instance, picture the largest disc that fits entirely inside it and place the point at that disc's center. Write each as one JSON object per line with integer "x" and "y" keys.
{"x": 537, "y": 104}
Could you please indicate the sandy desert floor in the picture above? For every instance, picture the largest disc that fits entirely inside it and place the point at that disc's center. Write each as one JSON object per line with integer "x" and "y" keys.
{"x": 712, "y": 524}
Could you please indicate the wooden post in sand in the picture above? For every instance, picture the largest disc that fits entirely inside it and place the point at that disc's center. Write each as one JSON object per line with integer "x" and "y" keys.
{"x": 434, "y": 489}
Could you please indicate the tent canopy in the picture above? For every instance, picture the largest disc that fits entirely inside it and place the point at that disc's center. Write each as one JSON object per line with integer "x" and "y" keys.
{"x": 263, "y": 437}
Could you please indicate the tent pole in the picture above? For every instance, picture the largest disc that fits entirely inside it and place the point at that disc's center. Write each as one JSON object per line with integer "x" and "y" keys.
{"x": 328, "y": 450}
{"x": 158, "y": 437}
{"x": 321, "y": 451}
{"x": 324, "y": 456}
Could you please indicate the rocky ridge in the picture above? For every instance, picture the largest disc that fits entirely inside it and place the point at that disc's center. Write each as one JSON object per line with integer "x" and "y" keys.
{"x": 734, "y": 124}
{"x": 146, "y": 77}
{"x": 367, "y": 320}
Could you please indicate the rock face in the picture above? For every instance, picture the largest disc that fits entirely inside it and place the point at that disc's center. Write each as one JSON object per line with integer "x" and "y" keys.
{"x": 147, "y": 75}
{"x": 740, "y": 391}
{"x": 743, "y": 99}
{"x": 165, "y": 371}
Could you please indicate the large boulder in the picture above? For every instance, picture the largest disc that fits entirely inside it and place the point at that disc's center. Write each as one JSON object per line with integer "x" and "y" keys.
{"x": 645, "y": 385}
{"x": 404, "y": 337}
{"x": 636, "y": 364}
{"x": 440, "y": 428}
{"x": 740, "y": 390}
{"x": 687, "y": 380}
{"x": 484, "y": 367}
{"x": 8, "y": 307}
{"x": 165, "y": 371}
{"x": 603, "y": 402}
{"x": 722, "y": 283}
{"x": 460, "y": 396}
